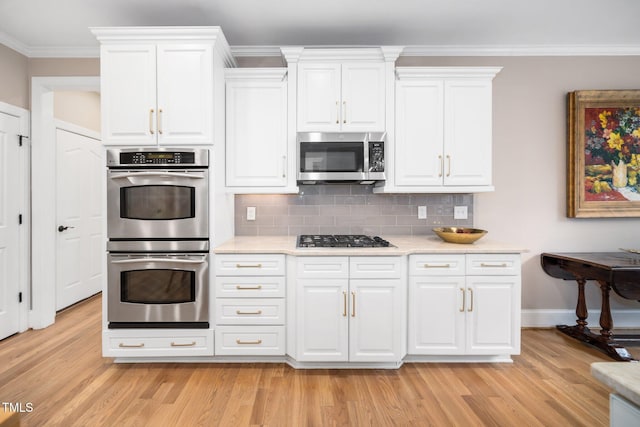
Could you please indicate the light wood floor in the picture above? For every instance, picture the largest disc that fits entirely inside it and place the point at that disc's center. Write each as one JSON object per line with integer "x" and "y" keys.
{"x": 60, "y": 371}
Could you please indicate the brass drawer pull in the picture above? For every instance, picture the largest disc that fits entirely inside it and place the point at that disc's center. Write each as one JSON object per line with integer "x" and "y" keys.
{"x": 239, "y": 341}
{"x": 464, "y": 299}
{"x": 249, "y": 312}
{"x": 504, "y": 264}
{"x": 151, "y": 111}
{"x": 160, "y": 121}
{"x": 249, "y": 265}
{"x": 353, "y": 304}
{"x": 437, "y": 266}
{"x": 248, "y": 288}
{"x": 122, "y": 345}
{"x": 344, "y": 304}
{"x": 191, "y": 344}
{"x": 471, "y": 295}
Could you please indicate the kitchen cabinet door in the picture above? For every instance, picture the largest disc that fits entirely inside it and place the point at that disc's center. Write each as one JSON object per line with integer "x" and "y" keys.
{"x": 341, "y": 97}
{"x": 467, "y": 130}
{"x": 319, "y": 97}
{"x": 437, "y": 315}
{"x": 376, "y": 320}
{"x": 257, "y": 150}
{"x": 323, "y": 322}
{"x": 157, "y": 94}
{"x": 363, "y": 97}
{"x": 185, "y": 94}
{"x": 128, "y": 94}
{"x": 493, "y": 315}
{"x": 419, "y": 133}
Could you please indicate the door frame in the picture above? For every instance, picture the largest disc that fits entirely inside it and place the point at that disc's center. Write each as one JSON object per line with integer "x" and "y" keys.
{"x": 43, "y": 189}
{"x": 24, "y": 232}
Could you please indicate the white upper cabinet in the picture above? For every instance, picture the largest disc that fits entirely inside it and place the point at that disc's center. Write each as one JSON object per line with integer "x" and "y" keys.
{"x": 341, "y": 89}
{"x": 443, "y": 133}
{"x": 341, "y": 97}
{"x": 258, "y": 155}
{"x": 157, "y": 84}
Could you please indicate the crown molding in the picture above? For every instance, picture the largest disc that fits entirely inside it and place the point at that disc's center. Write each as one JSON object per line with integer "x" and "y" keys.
{"x": 522, "y": 50}
{"x": 14, "y": 44}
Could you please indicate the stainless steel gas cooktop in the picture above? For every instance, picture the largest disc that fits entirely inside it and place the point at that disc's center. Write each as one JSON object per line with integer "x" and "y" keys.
{"x": 341, "y": 241}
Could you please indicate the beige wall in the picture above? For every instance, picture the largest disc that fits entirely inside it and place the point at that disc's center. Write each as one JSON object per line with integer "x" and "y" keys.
{"x": 14, "y": 81}
{"x": 529, "y": 168}
{"x": 79, "y": 108}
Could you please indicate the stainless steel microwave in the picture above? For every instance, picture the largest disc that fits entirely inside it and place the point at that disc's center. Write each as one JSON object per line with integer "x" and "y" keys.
{"x": 340, "y": 157}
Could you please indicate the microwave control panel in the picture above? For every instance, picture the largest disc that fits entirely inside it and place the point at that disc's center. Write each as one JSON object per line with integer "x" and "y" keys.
{"x": 376, "y": 156}
{"x": 156, "y": 158}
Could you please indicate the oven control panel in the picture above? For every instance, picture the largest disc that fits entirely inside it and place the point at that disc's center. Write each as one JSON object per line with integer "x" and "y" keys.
{"x": 156, "y": 158}
{"x": 127, "y": 157}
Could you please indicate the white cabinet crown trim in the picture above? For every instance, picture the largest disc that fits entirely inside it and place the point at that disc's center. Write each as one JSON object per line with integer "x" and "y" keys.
{"x": 353, "y": 54}
{"x": 419, "y": 73}
{"x": 264, "y": 74}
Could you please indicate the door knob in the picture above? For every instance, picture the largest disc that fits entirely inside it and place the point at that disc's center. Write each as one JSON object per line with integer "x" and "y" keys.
{"x": 63, "y": 227}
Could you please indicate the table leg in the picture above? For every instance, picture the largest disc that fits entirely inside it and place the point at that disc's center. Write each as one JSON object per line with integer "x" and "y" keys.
{"x": 581, "y": 306}
{"x": 606, "y": 321}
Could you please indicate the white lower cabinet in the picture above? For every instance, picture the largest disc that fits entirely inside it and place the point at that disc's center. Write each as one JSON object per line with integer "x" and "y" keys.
{"x": 464, "y": 304}
{"x": 157, "y": 342}
{"x": 250, "y": 305}
{"x": 350, "y": 309}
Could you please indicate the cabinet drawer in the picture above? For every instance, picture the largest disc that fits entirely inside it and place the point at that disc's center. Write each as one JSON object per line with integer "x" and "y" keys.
{"x": 155, "y": 343}
{"x": 493, "y": 264}
{"x": 250, "y": 340}
{"x": 250, "y": 287}
{"x": 249, "y": 265}
{"x": 325, "y": 267}
{"x": 437, "y": 265}
{"x": 375, "y": 267}
{"x": 248, "y": 311}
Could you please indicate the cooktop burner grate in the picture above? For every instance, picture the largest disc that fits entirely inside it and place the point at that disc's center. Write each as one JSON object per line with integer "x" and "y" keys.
{"x": 341, "y": 241}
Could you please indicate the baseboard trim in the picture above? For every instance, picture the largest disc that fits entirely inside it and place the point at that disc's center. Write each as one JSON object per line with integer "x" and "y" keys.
{"x": 547, "y": 318}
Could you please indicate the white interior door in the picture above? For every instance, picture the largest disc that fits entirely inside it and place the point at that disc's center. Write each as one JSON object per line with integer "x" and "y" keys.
{"x": 79, "y": 212}
{"x": 9, "y": 226}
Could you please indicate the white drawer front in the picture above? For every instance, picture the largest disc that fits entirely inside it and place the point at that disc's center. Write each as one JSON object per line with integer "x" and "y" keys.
{"x": 250, "y": 287}
{"x": 325, "y": 267}
{"x": 155, "y": 345}
{"x": 249, "y": 265}
{"x": 437, "y": 265}
{"x": 375, "y": 267}
{"x": 250, "y": 340}
{"x": 493, "y": 264}
{"x": 246, "y": 311}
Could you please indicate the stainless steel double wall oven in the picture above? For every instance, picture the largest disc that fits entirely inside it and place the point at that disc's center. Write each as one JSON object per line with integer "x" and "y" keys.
{"x": 158, "y": 230}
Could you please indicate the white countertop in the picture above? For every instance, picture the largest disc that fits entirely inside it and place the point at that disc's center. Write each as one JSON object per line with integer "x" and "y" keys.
{"x": 404, "y": 245}
{"x": 623, "y": 377}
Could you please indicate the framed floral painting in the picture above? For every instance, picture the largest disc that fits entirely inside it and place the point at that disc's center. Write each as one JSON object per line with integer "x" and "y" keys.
{"x": 603, "y": 154}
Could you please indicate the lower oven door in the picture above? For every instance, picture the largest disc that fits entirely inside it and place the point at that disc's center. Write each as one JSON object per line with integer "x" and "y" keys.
{"x": 158, "y": 290}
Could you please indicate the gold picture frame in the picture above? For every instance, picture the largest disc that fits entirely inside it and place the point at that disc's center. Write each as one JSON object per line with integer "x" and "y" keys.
{"x": 603, "y": 156}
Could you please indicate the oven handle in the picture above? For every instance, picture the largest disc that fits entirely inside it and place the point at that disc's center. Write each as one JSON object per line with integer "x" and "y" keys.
{"x": 161, "y": 174}
{"x": 175, "y": 261}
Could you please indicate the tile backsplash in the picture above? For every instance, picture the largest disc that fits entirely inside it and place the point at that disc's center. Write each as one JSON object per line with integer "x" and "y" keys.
{"x": 347, "y": 209}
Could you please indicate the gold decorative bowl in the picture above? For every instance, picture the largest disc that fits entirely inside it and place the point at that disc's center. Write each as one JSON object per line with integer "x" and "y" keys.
{"x": 459, "y": 234}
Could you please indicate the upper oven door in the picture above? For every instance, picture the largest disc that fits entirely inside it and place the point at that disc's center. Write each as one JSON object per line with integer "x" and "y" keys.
{"x": 332, "y": 157}
{"x": 157, "y": 204}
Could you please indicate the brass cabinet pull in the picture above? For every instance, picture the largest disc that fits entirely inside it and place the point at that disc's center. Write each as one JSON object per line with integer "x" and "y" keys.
{"x": 448, "y": 165}
{"x": 249, "y": 265}
{"x": 191, "y": 344}
{"x": 239, "y": 341}
{"x": 471, "y": 295}
{"x": 464, "y": 299}
{"x": 441, "y": 166}
{"x": 353, "y": 304}
{"x": 151, "y": 121}
{"x": 160, "y": 121}
{"x": 344, "y": 303}
{"x": 123, "y": 345}
{"x": 344, "y": 111}
{"x": 337, "y": 112}
{"x": 248, "y": 288}
{"x": 248, "y": 312}
{"x": 504, "y": 264}
{"x": 437, "y": 265}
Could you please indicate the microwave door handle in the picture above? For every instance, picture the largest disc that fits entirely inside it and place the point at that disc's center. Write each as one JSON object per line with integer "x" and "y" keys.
{"x": 174, "y": 261}
{"x": 160, "y": 174}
